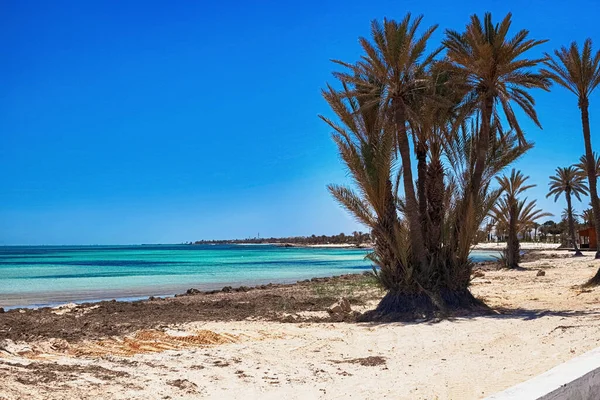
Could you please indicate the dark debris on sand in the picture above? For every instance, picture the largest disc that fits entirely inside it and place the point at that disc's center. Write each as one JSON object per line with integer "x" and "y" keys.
{"x": 371, "y": 361}
{"x": 273, "y": 302}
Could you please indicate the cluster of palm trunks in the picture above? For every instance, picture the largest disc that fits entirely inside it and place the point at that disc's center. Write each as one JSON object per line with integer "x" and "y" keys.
{"x": 450, "y": 109}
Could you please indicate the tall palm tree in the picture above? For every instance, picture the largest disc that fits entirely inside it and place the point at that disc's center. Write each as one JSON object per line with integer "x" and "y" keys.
{"x": 568, "y": 182}
{"x": 507, "y": 211}
{"x": 579, "y": 72}
{"x": 496, "y": 73}
{"x": 396, "y": 57}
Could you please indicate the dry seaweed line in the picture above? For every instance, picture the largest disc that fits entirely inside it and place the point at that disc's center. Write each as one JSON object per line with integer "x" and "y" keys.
{"x": 151, "y": 341}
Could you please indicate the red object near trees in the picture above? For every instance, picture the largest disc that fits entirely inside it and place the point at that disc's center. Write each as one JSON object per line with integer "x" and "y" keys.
{"x": 587, "y": 238}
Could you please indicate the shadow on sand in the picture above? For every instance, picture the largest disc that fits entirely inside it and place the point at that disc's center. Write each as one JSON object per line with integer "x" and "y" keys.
{"x": 499, "y": 313}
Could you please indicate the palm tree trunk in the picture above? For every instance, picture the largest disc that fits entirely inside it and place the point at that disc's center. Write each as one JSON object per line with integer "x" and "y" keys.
{"x": 571, "y": 223}
{"x": 386, "y": 247}
{"x": 435, "y": 205}
{"x": 412, "y": 207}
{"x": 513, "y": 240}
{"x": 421, "y": 152}
{"x": 591, "y": 171}
{"x": 483, "y": 145}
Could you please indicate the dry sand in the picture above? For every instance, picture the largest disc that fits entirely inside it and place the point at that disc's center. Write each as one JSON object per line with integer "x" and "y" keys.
{"x": 543, "y": 321}
{"x": 524, "y": 246}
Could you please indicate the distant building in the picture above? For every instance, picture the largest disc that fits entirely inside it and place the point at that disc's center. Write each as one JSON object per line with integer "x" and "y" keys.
{"x": 587, "y": 238}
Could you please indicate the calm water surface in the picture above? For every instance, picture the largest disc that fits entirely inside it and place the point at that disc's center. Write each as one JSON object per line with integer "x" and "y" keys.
{"x": 50, "y": 275}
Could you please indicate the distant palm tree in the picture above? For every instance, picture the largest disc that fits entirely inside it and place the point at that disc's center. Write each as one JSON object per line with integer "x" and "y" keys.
{"x": 508, "y": 210}
{"x": 523, "y": 217}
{"x": 536, "y": 226}
{"x": 579, "y": 72}
{"x": 568, "y": 182}
{"x": 496, "y": 72}
{"x": 564, "y": 215}
{"x": 582, "y": 165}
{"x": 588, "y": 217}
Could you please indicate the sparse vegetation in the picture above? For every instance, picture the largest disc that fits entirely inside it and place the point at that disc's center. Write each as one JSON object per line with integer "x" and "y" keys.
{"x": 356, "y": 238}
{"x": 356, "y": 288}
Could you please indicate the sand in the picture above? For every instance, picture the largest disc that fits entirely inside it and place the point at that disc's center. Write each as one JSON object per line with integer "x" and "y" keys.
{"x": 524, "y": 246}
{"x": 541, "y": 322}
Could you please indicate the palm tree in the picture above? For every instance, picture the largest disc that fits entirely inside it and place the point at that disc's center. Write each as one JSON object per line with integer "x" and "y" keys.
{"x": 564, "y": 215}
{"x": 536, "y": 227}
{"x": 365, "y": 142}
{"x": 523, "y": 217}
{"x": 496, "y": 72}
{"x": 528, "y": 214}
{"x": 568, "y": 182}
{"x": 579, "y": 72}
{"x": 397, "y": 92}
{"x": 588, "y": 216}
{"x": 507, "y": 212}
{"x": 396, "y": 58}
{"x": 582, "y": 165}
{"x": 488, "y": 228}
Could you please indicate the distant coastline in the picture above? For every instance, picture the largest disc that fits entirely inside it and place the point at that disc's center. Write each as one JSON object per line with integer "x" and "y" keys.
{"x": 342, "y": 240}
{"x": 80, "y": 273}
{"x": 366, "y": 246}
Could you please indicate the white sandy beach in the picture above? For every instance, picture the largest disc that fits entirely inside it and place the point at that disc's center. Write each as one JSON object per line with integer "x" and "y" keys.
{"x": 524, "y": 246}
{"x": 548, "y": 321}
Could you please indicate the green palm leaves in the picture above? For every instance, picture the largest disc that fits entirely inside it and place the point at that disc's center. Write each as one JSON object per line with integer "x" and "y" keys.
{"x": 513, "y": 214}
{"x": 575, "y": 70}
{"x": 514, "y": 184}
{"x": 579, "y": 72}
{"x": 567, "y": 181}
{"x": 401, "y": 101}
{"x": 495, "y": 67}
{"x": 526, "y": 213}
{"x": 582, "y": 165}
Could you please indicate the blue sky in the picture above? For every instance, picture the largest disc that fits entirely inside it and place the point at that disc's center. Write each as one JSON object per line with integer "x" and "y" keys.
{"x": 163, "y": 122}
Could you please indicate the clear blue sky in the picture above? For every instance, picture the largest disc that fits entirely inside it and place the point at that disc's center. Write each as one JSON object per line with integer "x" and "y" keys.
{"x": 162, "y": 122}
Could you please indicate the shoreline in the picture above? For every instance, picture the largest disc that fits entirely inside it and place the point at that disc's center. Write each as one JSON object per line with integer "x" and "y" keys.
{"x": 166, "y": 291}
{"x": 88, "y": 320}
{"x": 209, "y": 288}
{"x": 81, "y": 274}
{"x": 365, "y": 245}
{"x": 362, "y": 246}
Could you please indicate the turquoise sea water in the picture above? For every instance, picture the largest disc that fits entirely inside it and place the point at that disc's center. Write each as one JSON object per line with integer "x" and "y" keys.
{"x": 49, "y": 275}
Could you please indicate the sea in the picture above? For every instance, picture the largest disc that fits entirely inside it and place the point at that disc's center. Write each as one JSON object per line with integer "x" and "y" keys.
{"x": 37, "y": 276}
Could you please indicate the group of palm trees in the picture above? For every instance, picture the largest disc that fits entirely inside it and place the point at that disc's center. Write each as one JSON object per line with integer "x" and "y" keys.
{"x": 513, "y": 215}
{"x": 569, "y": 181}
{"x": 452, "y": 110}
